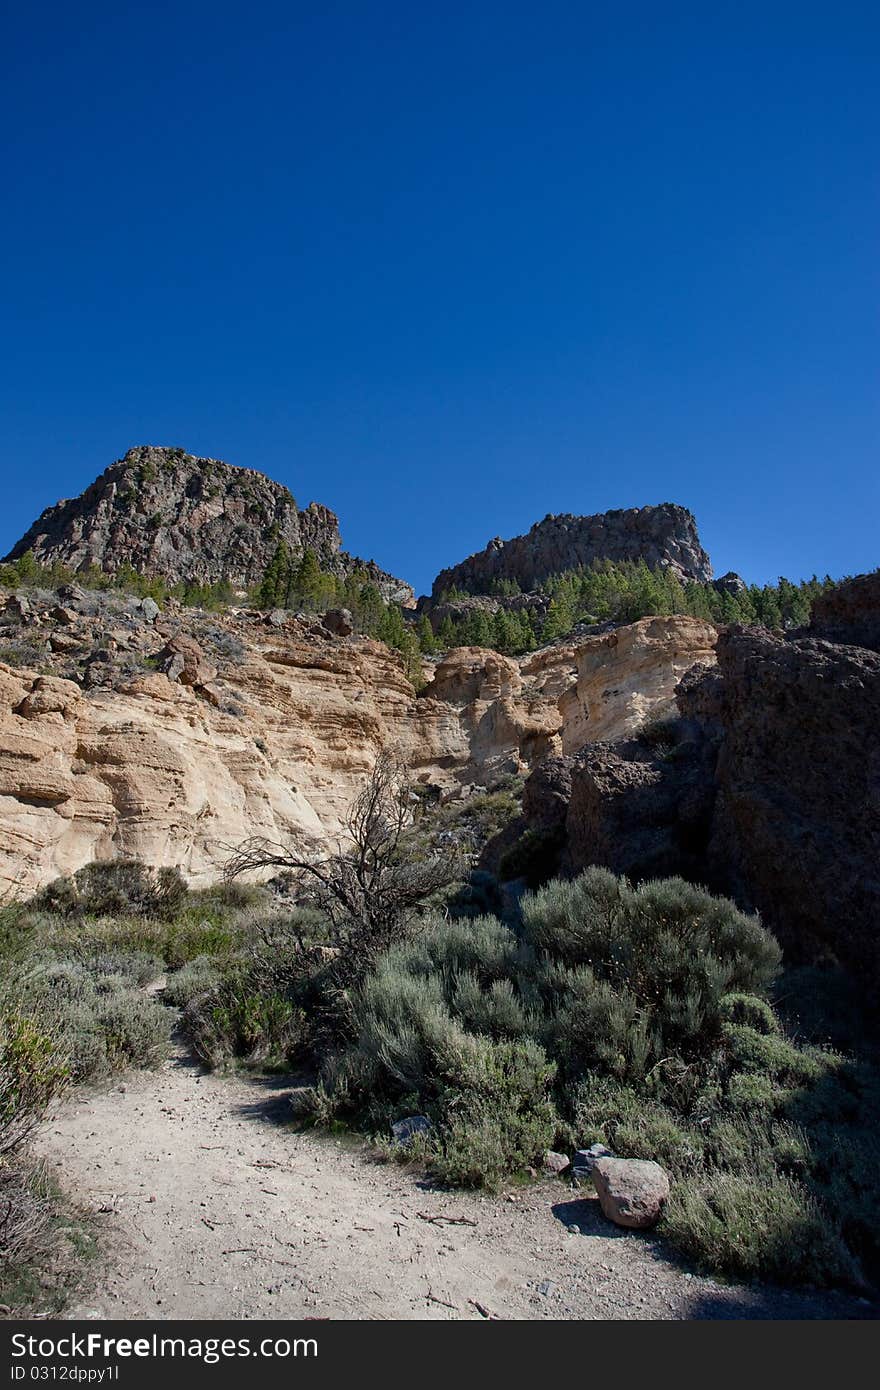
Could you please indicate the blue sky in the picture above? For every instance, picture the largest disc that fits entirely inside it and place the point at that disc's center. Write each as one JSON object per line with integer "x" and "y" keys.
{"x": 447, "y": 268}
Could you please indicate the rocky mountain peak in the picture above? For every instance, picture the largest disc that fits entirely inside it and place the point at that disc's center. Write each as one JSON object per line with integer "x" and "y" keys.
{"x": 201, "y": 520}
{"x": 662, "y": 536}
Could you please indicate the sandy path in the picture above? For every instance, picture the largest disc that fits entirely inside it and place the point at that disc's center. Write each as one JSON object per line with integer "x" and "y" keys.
{"x": 213, "y": 1209}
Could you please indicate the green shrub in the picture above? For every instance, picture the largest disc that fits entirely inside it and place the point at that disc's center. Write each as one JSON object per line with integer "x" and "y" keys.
{"x": 197, "y": 977}
{"x": 136, "y": 968}
{"x": 134, "y": 1029}
{"x": 253, "y": 1010}
{"x": 235, "y": 1020}
{"x": 33, "y": 1071}
{"x": 498, "y": 1115}
{"x": 667, "y": 952}
{"x": 116, "y": 887}
{"x": 102, "y": 1022}
{"x": 757, "y": 1227}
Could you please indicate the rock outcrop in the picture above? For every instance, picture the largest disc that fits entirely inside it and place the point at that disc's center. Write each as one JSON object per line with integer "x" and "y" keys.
{"x": 170, "y": 737}
{"x": 664, "y": 536}
{"x": 850, "y": 613}
{"x": 766, "y": 786}
{"x": 796, "y": 824}
{"x": 628, "y": 676}
{"x": 168, "y": 513}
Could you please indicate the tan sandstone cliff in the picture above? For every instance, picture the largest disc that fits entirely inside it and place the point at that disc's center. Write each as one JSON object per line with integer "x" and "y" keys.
{"x": 280, "y": 740}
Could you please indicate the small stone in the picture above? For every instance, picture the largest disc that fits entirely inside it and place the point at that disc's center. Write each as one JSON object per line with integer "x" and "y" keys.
{"x": 404, "y": 1131}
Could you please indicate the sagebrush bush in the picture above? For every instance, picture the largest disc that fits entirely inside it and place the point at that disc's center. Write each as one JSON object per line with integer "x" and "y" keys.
{"x": 253, "y": 1008}
{"x": 117, "y": 887}
{"x": 752, "y": 1226}
{"x": 33, "y": 1071}
{"x": 103, "y": 1023}
{"x": 635, "y": 1017}
{"x": 197, "y": 977}
{"x": 671, "y": 947}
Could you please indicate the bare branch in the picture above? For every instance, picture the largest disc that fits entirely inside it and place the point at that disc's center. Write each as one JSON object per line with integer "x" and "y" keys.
{"x": 369, "y": 889}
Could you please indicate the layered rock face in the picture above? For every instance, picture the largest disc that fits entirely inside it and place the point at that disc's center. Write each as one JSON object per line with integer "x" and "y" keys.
{"x": 175, "y": 773}
{"x": 662, "y": 536}
{"x": 165, "y": 512}
{"x": 628, "y": 676}
{"x": 173, "y": 737}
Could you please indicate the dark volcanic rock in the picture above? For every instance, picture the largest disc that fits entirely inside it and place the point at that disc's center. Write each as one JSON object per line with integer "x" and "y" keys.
{"x": 338, "y": 621}
{"x": 640, "y": 811}
{"x": 665, "y": 535}
{"x": 796, "y": 828}
{"x": 459, "y": 609}
{"x": 547, "y": 793}
{"x": 165, "y": 512}
{"x": 850, "y": 613}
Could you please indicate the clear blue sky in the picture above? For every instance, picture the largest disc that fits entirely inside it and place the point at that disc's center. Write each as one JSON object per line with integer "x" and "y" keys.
{"x": 449, "y": 267}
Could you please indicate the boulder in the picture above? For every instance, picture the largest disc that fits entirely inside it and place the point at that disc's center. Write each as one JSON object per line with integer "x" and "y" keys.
{"x": 63, "y": 642}
{"x": 182, "y": 659}
{"x": 72, "y": 595}
{"x": 150, "y": 609}
{"x": 585, "y": 1160}
{"x": 554, "y": 1162}
{"x": 339, "y": 621}
{"x": 17, "y": 606}
{"x": 404, "y": 1131}
{"x": 632, "y": 1191}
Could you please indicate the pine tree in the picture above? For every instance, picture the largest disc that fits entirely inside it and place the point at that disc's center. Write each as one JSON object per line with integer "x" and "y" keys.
{"x": 305, "y": 583}
{"x": 272, "y": 590}
{"x": 425, "y": 635}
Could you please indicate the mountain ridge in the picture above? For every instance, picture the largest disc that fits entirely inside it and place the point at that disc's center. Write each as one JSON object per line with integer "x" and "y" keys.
{"x": 190, "y": 519}
{"x": 663, "y": 535}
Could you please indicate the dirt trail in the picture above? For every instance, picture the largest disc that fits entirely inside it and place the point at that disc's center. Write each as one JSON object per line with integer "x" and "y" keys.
{"x": 212, "y": 1208}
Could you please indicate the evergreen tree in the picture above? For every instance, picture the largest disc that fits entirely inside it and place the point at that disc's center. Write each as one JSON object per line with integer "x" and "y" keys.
{"x": 272, "y": 590}
{"x": 304, "y": 587}
{"x": 425, "y": 635}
